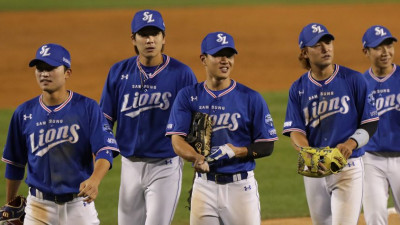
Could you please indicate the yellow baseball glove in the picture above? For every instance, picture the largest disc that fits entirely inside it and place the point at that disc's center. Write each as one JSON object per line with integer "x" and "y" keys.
{"x": 320, "y": 162}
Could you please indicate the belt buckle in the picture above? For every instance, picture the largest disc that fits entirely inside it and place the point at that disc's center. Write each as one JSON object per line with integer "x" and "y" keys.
{"x": 57, "y": 201}
{"x": 218, "y": 181}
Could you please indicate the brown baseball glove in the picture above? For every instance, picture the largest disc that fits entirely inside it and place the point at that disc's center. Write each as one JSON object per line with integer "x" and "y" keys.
{"x": 320, "y": 162}
{"x": 13, "y": 213}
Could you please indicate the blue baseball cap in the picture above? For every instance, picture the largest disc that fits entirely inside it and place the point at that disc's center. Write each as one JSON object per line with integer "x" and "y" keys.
{"x": 216, "y": 41}
{"x": 312, "y": 33}
{"x": 147, "y": 18}
{"x": 375, "y": 35}
{"x": 52, "y": 54}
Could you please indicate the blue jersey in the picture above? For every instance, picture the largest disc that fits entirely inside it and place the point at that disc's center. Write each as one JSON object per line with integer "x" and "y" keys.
{"x": 240, "y": 116}
{"x": 58, "y": 142}
{"x": 330, "y": 111}
{"x": 141, "y": 103}
{"x": 386, "y": 92}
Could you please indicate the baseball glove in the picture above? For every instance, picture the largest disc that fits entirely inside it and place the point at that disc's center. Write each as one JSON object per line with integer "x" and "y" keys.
{"x": 13, "y": 213}
{"x": 320, "y": 162}
{"x": 199, "y": 136}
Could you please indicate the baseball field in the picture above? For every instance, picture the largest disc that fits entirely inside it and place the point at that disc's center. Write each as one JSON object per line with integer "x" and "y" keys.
{"x": 97, "y": 33}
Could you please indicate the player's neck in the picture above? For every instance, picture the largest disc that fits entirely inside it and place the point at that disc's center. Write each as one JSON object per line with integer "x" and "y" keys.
{"x": 151, "y": 61}
{"x": 218, "y": 84}
{"x": 55, "y": 98}
{"x": 322, "y": 73}
{"x": 382, "y": 71}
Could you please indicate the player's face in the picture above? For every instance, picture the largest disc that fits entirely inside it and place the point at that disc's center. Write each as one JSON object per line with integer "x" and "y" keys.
{"x": 220, "y": 65}
{"x": 321, "y": 54}
{"x": 50, "y": 78}
{"x": 149, "y": 42}
{"x": 381, "y": 56}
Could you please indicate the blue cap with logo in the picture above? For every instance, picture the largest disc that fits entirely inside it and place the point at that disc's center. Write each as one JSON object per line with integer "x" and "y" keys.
{"x": 146, "y": 18}
{"x": 216, "y": 41}
{"x": 52, "y": 54}
{"x": 312, "y": 33}
{"x": 375, "y": 35}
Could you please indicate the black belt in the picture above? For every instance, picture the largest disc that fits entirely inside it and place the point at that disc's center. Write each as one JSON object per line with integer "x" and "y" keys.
{"x": 225, "y": 178}
{"x": 58, "y": 199}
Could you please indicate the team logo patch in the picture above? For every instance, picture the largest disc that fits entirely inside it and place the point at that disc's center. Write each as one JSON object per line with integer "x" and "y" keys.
{"x": 268, "y": 120}
{"x": 222, "y": 39}
{"x": 45, "y": 51}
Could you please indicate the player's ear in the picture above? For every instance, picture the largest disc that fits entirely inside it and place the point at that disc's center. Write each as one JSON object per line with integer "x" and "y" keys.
{"x": 203, "y": 59}
{"x": 304, "y": 52}
{"x": 68, "y": 73}
{"x": 365, "y": 51}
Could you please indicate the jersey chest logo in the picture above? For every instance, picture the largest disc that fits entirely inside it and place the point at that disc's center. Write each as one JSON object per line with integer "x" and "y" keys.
{"x": 141, "y": 102}
{"x": 387, "y": 103}
{"x": 225, "y": 121}
{"x": 320, "y": 110}
{"x": 50, "y": 138}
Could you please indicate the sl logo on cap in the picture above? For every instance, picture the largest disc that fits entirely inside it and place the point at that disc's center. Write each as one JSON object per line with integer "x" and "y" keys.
{"x": 148, "y": 17}
{"x": 316, "y": 29}
{"x": 380, "y": 31}
{"x": 222, "y": 39}
{"x": 45, "y": 51}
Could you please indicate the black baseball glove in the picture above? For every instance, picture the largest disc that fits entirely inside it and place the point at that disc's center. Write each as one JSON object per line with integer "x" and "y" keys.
{"x": 199, "y": 136}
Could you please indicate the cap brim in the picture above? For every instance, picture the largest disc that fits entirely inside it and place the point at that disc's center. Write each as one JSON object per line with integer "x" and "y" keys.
{"x": 215, "y": 50}
{"x": 150, "y": 25}
{"x": 379, "y": 41}
{"x": 48, "y": 61}
{"x": 316, "y": 39}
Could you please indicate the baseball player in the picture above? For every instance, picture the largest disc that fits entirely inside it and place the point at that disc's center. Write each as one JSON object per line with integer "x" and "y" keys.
{"x": 57, "y": 134}
{"x": 224, "y": 191}
{"x": 382, "y": 157}
{"x": 138, "y": 94}
{"x": 329, "y": 105}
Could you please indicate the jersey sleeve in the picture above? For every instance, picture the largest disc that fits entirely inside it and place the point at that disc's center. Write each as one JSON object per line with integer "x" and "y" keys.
{"x": 15, "y": 151}
{"x": 180, "y": 116}
{"x": 293, "y": 119}
{"x": 102, "y": 139}
{"x": 109, "y": 97}
{"x": 264, "y": 130}
{"x": 365, "y": 101}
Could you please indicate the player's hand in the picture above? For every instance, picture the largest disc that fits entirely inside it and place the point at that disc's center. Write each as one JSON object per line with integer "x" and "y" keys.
{"x": 200, "y": 165}
{"x": 321, "y": 167}
{"x": 220, "y": 153}
{"x": 89, "y": 189}
{"x": 347, "y": 147}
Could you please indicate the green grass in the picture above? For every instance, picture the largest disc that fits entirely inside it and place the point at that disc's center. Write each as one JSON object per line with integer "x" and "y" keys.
{"x": 281, "y": 188}
{"x": 9, "y": 5}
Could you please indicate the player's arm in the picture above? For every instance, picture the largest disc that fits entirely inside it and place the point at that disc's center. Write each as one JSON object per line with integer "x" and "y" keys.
{"x": 12, "y": 187}
{"x": 184, "y": 150}
{"x": 254, "y": 150}
{"x": 360, "y": 138}
{"x": 90, "y": 187}
{"x": 298, "y": 140}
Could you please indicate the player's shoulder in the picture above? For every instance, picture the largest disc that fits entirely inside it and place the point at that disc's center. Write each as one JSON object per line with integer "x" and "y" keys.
{"x": 30, "y": 104}
{"x": 346, "y": 71}
{"x": 125, "y": 63}
{"x": 80, "y": 99}
{"x": 176, "y": 65}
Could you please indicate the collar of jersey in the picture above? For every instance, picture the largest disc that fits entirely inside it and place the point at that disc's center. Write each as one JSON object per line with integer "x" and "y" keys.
{"x": 327, "y": 81}
{"x": 371, "y": 73}
{"x": 59, "y": 107}
{"x": 233, "y": 85}
{"x": 166, "y": 61}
